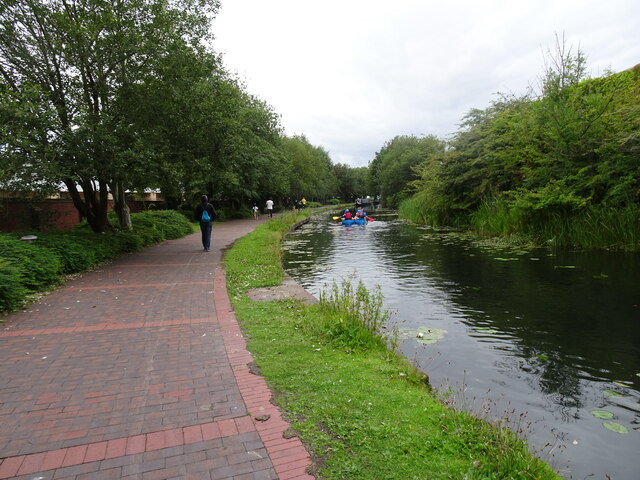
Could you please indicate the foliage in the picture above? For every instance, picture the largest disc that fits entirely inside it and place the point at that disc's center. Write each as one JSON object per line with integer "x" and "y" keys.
{"x": 38, "y": 267}
{"x": 352, "y": 317}
{"x": 363, "y": 413}
{"x": 108, "y": 97}
{"x": 12, "y": 292}
{"x": 313, "y": 175}
{"x": 352, "y": 182}
{"x": 69, "y": 73}
{"x": 393, "y": 167}
{"x": 553, "y": 166}
{"x": 31, "y": 267}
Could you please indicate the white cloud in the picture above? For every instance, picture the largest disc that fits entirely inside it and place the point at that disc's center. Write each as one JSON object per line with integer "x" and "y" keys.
{"x": 352, "y": 74}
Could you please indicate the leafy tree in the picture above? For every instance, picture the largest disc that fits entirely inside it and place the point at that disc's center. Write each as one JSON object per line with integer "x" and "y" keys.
{"x": 69, "y": 69}
{"x": 394, "y": 165}
{"x": 312, "y": 173}
{"x": 352, "y": 182}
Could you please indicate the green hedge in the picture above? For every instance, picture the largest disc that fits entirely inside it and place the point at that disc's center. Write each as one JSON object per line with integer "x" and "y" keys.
{"x": 27, "y": 268}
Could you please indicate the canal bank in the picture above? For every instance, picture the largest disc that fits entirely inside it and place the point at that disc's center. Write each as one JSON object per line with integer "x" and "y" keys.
{"x": 542, "y": 338}
{"x": 363, "y": 413}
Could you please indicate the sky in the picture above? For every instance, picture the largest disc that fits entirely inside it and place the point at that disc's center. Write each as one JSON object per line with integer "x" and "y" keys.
{"x": 352, "y": 74}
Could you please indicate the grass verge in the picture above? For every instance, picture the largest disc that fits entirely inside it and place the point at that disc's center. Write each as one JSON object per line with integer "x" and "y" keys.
{"x": 362, "y": 410}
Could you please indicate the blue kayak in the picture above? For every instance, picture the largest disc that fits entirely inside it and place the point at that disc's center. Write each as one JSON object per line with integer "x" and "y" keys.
{"x": 360, "y": 221}
{"x": 347, "y": 223}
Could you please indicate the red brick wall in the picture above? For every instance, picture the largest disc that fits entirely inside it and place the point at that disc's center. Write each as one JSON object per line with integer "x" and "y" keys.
{"x": 43, "y": 215}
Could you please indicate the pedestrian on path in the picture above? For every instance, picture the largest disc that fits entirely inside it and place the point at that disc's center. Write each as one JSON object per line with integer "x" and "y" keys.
{"x": 205, "y": 214}
{"x": 270, "y": 208}
{"x": 256, "y": 211}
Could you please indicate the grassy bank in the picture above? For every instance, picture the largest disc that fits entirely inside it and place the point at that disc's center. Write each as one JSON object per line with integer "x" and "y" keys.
{"x": 594, "y": 227}
{"x": 363, "y": 411}
{"x": 28, "y": 268}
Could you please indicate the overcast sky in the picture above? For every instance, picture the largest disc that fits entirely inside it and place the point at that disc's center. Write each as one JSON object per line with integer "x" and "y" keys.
{"x": 352, "y": 74}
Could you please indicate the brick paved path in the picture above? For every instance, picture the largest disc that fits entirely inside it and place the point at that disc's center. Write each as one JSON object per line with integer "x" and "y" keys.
{"x": 139, "y": 370}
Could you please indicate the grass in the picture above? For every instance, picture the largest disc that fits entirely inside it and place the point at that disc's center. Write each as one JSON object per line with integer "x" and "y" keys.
{"x": 594, "y": 227}
{"x": 363, "y": 411}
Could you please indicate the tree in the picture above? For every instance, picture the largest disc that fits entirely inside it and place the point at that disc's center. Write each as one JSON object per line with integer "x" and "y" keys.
{"x": 351, "y": 182}
{"x": 312, "y": 173}
{"x": 67, "y": 67}
{"x": 394, "y": 165}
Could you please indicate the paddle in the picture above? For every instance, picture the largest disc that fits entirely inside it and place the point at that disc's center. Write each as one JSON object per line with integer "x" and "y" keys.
{"x": 336, "y": 218}
{"x": 371, "y": 219}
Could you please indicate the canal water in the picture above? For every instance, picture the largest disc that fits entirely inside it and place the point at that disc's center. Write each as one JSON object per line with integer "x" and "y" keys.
{"x": 546, "y": 341}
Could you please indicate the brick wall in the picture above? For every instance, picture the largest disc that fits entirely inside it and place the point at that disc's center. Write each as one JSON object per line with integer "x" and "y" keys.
{"x": 43, "y": 215}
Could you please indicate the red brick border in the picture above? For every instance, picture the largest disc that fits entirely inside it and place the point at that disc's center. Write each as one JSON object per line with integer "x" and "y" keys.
{"x": 289, "y": 456}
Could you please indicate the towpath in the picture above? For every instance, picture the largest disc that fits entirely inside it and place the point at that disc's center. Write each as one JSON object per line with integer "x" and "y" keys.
{"x": 139, "y": 370}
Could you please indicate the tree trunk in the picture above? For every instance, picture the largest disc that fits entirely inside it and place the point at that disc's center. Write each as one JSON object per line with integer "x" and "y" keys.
{"x": 92, "y": 205}
{"x": 120, "y": 206}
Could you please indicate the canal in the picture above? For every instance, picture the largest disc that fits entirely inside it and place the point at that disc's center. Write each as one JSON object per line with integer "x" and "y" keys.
{"x": 543, "y": 340}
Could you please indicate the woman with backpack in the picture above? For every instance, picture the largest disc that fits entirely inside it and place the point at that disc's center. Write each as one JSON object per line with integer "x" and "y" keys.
{"x": 205, "y": 214}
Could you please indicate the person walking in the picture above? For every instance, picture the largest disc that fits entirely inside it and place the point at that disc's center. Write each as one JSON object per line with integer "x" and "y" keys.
{"x": 270, "y": 208}
{"x": 256, "y": 211}
{"x": 205, "y": 214}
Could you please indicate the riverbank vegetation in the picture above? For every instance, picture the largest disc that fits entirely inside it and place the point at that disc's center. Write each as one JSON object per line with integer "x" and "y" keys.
{"x": 31, "y": 267}
{"x": 560, "y": 166}
{"x": 362, "y": 410}
{"x": 104, "y": 99}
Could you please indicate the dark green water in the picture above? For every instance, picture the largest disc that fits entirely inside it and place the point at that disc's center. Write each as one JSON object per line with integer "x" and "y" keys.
{"x": 539, "y": 338}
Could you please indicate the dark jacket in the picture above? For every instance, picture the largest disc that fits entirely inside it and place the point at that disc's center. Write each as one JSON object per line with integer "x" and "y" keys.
{"x": 200, "y": 208}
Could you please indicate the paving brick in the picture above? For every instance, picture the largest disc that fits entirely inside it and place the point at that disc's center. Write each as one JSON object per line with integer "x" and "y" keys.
{"x": 146, "y": 375}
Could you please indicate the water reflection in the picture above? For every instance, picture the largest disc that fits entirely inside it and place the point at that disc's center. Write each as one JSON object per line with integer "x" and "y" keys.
{"x": 539, "y": 332}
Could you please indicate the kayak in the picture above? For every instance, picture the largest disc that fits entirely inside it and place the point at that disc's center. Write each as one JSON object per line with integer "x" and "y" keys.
{"x": 360, "y": 221}
{"x": 347, "y": 223}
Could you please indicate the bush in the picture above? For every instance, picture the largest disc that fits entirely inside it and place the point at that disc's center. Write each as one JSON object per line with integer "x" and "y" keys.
{"x": 38, "y": 267}
{"x": 12, "y": 293}
{"x": 29, "y": 267}
{"x": 76, "y": 251}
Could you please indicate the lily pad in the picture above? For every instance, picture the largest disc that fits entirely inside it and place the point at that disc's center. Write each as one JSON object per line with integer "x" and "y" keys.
{"x": 611, "y": 393}
{"x": 431, "y": 335}
{"x": 425, "y": 335}
{"x": 615, "y": 427}
{"x": 602, "y": 414}
{"x": 621, "y": 384}
{"x": 491, "y": 331}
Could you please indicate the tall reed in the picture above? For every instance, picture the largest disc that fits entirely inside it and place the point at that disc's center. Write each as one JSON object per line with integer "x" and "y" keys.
{"x": 354, "y": 316}
{"x": 590, "y": 227}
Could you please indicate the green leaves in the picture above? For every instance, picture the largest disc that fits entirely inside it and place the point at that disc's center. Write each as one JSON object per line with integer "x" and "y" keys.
{"x": 615, "y": 427}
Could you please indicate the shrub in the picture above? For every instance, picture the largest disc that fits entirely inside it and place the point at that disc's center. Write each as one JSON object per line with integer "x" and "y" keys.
{"x": 38, "y": 267}
{"x": 12, "y": 293}
{"x": 76, "y": 251}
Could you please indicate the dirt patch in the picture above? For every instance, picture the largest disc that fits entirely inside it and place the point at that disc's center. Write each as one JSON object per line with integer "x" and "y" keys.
{"x": 289, "y": 290}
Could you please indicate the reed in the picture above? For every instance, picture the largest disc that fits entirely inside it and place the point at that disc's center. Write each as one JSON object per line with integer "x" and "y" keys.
{"x": 596, "y": 227}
